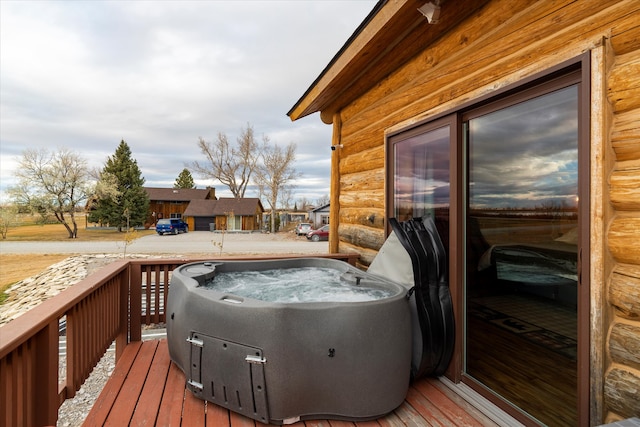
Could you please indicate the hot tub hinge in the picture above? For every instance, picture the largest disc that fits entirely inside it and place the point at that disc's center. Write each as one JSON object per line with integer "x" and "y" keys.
{"x": 255, "y": 359}
{"x": 195, "y": 341}
{"x": 195, "y": 384}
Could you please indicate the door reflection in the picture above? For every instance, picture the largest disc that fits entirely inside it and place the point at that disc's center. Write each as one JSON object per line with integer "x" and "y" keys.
{"x": 521, "y": 253}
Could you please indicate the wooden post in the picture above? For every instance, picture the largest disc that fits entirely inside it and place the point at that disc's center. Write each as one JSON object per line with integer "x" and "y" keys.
{"x": 135, "y": 300}
{"x": 45, "y": 378}
{"x": 125, "y": 277}
{"x": 334, "y": 214}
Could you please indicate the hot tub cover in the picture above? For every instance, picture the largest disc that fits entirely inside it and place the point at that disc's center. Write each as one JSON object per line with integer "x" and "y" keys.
{"x": 414, "y": 255}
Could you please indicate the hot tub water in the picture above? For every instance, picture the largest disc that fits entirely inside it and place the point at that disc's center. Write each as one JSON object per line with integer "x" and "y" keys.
{"x": 295, "y": 285}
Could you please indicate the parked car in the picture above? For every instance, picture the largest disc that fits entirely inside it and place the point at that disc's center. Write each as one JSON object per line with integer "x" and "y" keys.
{"x": 321, "y": 233}
{"x": 303, "y": 228}
{"x": 171, "y": 225}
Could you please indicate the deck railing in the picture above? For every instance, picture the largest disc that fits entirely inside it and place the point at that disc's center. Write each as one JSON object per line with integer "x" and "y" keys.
{"x": 110, "y": 305}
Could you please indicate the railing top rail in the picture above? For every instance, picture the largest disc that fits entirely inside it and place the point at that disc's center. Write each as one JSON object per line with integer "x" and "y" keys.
{"x": 28, "y": 324}
{"x": 249, "y": 257}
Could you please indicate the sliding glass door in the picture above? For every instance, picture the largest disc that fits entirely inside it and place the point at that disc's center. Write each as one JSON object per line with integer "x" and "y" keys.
{"x": 521, "y": 286}
{"x": 505, "y": 181}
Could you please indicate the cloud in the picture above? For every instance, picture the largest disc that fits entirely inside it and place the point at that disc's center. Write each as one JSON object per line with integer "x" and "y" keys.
{"x": 86, "y": 74}
{"x": 526, "y": 155}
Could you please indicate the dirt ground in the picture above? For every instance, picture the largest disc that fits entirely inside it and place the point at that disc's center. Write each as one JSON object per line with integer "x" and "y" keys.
{"x": 15, "y": 267}
{"x": 55, "y": 232}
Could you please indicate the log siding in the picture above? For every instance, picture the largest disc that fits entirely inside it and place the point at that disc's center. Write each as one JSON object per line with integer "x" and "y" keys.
{"x": 622, "y": 378}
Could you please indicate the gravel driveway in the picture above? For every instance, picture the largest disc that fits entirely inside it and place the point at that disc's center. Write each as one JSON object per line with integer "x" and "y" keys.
{"x": 195, "y": 242}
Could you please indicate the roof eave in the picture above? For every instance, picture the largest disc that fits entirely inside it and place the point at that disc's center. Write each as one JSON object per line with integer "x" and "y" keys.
{"x": 392, "y": 34}
{"x": 309, "y": 102}
{"x": 362, "y": 51}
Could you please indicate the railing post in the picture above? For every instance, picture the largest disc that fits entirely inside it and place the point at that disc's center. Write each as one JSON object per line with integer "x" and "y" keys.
{"x": 72, "y": 343}
{"x": 135, "y": 302}
{"x": 122, "y": 339}
{"x": 45, "y": 383}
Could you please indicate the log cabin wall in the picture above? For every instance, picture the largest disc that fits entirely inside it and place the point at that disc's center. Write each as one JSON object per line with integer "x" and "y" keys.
{"x": 622, "y": 377}
{"x": 500, "y": 43}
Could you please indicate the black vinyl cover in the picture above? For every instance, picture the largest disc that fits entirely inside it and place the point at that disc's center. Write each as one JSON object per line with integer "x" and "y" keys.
{"x": 422, "y": 242}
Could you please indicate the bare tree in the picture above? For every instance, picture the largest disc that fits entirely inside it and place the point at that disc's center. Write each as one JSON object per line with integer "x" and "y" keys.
{"x": 275, "y": 174}
{"x": 323, "y": 200}
{"x": 55, "y": 182}
{"x": 232, "y": 165}
{"x": 285, "y": 197}
{"x": 303, "y": 204}
{"x": 107, "y": 186}
{"x": 8, "y": 218}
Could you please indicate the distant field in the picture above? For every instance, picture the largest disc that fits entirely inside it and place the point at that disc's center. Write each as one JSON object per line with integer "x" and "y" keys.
{"x": 14, "y": 268}
{"x": 54, "y": 232}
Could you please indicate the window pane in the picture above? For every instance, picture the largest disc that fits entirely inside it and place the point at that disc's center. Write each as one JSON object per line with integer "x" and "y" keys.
{"x": 421, "y": 181}
{"x": 521, "y": 251}
{"x": 234, "y": 223}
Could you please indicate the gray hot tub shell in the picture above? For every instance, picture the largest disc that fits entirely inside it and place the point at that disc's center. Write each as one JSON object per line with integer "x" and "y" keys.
{"x": 283, "y": 362}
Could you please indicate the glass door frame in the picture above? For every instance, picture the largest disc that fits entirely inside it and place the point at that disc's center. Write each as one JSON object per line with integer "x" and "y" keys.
{"x": 458, "y": 178}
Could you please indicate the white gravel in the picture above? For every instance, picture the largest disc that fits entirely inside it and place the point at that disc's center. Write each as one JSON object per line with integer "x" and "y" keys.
{"x": 73, "y": 412}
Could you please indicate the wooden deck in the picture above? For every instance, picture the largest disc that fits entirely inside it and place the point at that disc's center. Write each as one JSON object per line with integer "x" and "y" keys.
{"x": 147, "y": 389}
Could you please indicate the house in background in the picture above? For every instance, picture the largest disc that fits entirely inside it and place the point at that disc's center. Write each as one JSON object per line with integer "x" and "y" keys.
{"x": 202, "y": 211}
{"x": 319, "y": 216}
{"x": 225, "y": 213}
{"x": 516, "y": 126}
{"x": 288, "y": 217}
{"x": 172, "y": 202}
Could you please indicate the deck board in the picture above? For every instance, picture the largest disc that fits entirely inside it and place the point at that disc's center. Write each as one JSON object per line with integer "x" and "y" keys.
{"x": 100, "y": 410}
{"x": 131, "y": 390}
{"x": 194, "y": 411}
{"x": 147, "y": 389}
{"x": 151, "y": 397}
{"x": 445, "y": 405}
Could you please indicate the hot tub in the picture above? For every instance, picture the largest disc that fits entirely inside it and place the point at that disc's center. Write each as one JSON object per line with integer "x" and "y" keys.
{"x": 296, "y": 356}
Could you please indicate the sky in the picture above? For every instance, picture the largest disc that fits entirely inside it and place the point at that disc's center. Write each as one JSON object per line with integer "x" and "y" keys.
{"x": 521, "y": 156}
{"x": 526, "y": 155}
{"x": 84, "y": 75}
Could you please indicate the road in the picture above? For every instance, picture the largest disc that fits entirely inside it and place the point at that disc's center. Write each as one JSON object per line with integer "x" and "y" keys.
{"x": 195, "y": 242}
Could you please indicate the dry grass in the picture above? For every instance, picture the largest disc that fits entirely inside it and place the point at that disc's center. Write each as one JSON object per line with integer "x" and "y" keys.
{"x": 14, "y": 268}
{"x": 55, "y": 232}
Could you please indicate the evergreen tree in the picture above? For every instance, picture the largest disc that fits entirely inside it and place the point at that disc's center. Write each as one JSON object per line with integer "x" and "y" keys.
{"x": 128, "y": 203}
{"x": 184, "y": 180}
